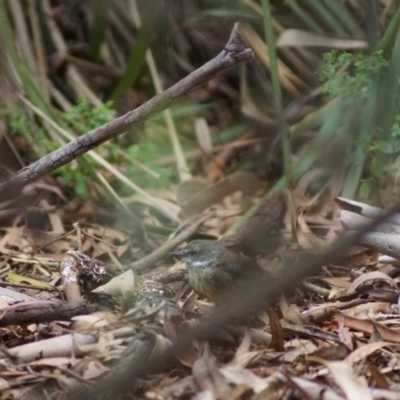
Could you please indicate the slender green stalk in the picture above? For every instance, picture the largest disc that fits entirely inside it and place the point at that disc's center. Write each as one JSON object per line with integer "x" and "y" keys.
{"x": 305, "y": 17}
{"x": 390, "y": 32}
{"x": 325, "y": 16}
{"x": 99, "y": 9}
{"x": 135, "y": 64}
{"x": 372, "y": 25}
{"x": 343, "y": 14}
{"x": 278, "y": 102}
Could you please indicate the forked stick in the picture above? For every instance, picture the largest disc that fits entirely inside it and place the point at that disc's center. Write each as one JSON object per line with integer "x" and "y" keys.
{"x": 235, "y": 52}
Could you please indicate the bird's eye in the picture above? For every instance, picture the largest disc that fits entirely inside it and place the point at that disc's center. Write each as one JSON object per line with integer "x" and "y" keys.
{"x": 194, "y": 252}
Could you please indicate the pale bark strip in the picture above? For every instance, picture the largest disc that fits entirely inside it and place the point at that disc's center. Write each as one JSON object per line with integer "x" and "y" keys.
{"x": 367, "y": 210}
{"x": 234, "y": 53}
{"x": 385, "y": 243}
{"x": 383, "y": 238}
{"x": 69, "y": 345}
{"x": 351, "y": 221}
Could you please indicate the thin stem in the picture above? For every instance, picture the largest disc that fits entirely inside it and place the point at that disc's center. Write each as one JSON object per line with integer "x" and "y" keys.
{"x": 234, "y": 53}
{"x": 278, "y": 107}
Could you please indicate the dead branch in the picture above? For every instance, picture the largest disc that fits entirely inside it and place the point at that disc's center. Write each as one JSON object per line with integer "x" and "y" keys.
{"x": 384, "y": 238}
{"x": 234, "y": 53}
{"x": 367, "y": 211}
{"x": 42, "y": 311}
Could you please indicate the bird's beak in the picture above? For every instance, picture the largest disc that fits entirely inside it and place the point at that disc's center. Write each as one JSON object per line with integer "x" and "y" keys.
{"x": 176, "y": 253}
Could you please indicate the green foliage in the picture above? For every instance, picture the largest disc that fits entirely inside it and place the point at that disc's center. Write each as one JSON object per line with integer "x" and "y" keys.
{"x": 347, "y": 74}
{"x": 395, "y": 131}
{"x": 376, "y": 166}
{"x": 366, "y": 188}
{"x": 139, "y": 160}
{"x": 76, "y": 174}
{"x": 147, "y": 152}
{"x": 17, "y": 119}
{"x": 135, "y": 63}
{"x": 21, "y": 124}
{"x": 358, "y": 80}
{"x": 83, "y": 117}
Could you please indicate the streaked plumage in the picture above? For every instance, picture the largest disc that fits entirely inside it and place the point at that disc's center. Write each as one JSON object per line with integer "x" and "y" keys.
{"x": 215, "y": 272}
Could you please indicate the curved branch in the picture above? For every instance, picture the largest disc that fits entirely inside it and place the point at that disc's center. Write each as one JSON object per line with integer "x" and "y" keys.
{"x": 234, "y": 53}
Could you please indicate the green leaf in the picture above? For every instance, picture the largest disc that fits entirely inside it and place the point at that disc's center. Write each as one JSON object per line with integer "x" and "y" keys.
{"x": 366, "y": 188}
{"x": 135, "y": 63}
{"x": 376, "y": 167}
{"x": 384, "y": 146}
{"x": 99, "y": 26}
{"x": 81, "y": 187}
{"x": 16, "y": 278}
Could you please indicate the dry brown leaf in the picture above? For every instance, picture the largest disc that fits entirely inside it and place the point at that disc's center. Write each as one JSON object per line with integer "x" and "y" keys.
{"x": 210, "y": 195}
{"x": 297, "y": 348}
{"x": 340, "y": 282}
{"x": 370, "y": 310}
{"x": 291, "y": 313}
{"x": 306, "y": 238}
{"x": 299, "y": 38}
{"x": 122, "y": 285}
{"x": 315, "y": 390}
{"x": 332, "y": 352}
{"x": 189, "y": 188}
{"x": 364, "y": 351}
{"x": 50, "y": 241}
{"x": 289, "y": 80}
{"x": 93, "y": 369}
{"x": 243, "y": 348}
{"x": 345, "y": 335}
{"x": 243, "y": 355}
{"x": 369, "y": 276}
{"x": 4, "y": 385}
{"x": 209, "y": 378}
{"x": 167, "y": 207}
{"x": 8, "y": 296}
{"x": 95, "y": 320}
{"x": 354, "y": 387}
{"x": 367, "y": 326}
{"x": 14, "y": 239}
{"x": 276, "y": 330}
{"x": 203, "y": 135}
{"x": 241, "y": 376}
{"x": 378, "y": 378}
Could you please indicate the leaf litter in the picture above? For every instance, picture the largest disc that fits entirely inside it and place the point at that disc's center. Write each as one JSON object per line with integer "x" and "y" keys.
{"x": 335, "y": 336}
{"x": 257, "y": 365}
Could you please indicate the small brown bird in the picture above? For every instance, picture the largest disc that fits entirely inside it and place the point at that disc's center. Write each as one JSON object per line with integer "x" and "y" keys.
{"x": 216, "y": 272}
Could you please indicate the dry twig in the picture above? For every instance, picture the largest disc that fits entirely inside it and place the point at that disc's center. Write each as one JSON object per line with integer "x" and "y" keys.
{"x": 234, "y": 53}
